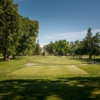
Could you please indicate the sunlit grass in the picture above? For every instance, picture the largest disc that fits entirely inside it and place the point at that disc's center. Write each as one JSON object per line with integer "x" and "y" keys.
{"x": 48, "y": 72}
{"x": 47, "y": 67}
{"x": 92, "y": 69}
{"x": 49, "y": 78}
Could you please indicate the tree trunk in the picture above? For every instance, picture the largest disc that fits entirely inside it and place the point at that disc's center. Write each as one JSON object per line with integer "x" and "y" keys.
{"x": 81, "y": 56}
{"x": 13, "y": 56}
{"x": 94, "y": 56}
{"x": 90, "y": 56}
{"x": 5, "y": 56}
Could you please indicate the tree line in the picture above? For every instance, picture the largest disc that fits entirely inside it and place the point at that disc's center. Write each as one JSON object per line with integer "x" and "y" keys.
{"x": 17, "y": 33}
{"x": 90, "y": 45}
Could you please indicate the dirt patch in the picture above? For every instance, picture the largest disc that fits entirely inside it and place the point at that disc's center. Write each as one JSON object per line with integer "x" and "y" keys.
{"x": 84, "y": 64}
{"x": 63, "y": 56}
{"x": 30, "y": 64}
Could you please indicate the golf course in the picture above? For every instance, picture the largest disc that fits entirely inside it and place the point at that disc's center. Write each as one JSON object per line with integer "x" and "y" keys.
{"x": 49, "y": 78}
{"x": 49, "y": 49}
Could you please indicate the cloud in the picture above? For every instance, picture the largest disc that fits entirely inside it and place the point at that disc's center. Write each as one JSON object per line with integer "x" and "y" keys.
{"x": 42, "y": 43}
{"x": 69, "y": 36}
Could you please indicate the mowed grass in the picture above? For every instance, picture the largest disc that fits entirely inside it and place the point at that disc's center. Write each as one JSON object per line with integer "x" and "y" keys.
{"x": 49, "y": 78}
{"x": 48, "y": 72}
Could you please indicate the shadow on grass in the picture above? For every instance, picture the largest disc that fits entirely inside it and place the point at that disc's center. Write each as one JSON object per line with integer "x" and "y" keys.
{"x": 85, "y": 60}
{"x": 18, "y": 58}
{"x": 63, "y": 89}
{"x": 1, "y": 59}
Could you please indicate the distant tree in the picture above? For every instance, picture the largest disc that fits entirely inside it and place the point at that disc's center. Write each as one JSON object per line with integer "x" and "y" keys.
{"x": 73, "y": 47}
{"x": 60, "y": 47}
{"x": 38, "y": 49}
{"x": 89, "y": 43}
{"x": 96, "y": 44}
{"x": 80, "y": 49}
{"x": 50, "y": 48}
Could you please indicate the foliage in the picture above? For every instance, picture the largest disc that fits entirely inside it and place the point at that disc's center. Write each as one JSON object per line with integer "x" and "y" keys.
{"x": 60, "y": 47}
{"x": 38, "y": 49}
{"x": 17, "y": 34}
{"x": 28, "y": 38}
{"x": 9, "y": 28}
{"x": 92, "y": 44}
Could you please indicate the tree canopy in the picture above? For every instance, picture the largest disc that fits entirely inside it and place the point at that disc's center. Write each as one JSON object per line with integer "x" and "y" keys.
{"x": 17, "y": 34}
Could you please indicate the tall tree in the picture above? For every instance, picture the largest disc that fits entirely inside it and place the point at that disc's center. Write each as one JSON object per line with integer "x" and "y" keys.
{"x": 38, "y": 48}
{"x": 92, "y": 44}
{"x": 96, "y": 44}
{"x": 27, "y": 42}
{"x": 89, "y": 43}
{"x": 9, "y": 27}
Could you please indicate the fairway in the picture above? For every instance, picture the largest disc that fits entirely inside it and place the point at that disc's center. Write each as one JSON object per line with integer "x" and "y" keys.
{"x": 49, "y": 78}
{"x": 48, "y": 71}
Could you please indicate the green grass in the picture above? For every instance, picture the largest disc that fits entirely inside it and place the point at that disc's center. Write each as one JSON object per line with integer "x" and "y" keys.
{"x": 48, "y": 72}
{"x": 49, "y": 78}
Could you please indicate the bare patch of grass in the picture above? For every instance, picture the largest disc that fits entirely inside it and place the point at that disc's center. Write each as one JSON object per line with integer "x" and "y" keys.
{"x": 30, "y": 64}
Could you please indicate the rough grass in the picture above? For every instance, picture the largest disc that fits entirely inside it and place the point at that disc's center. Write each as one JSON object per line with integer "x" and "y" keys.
{"x": 49, "y": 78}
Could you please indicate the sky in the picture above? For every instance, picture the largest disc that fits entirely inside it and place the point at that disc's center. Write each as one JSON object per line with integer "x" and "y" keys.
{"x": 62, "y": 19}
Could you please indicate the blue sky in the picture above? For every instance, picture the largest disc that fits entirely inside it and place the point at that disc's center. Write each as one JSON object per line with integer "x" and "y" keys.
{"x": 62, "y": 19}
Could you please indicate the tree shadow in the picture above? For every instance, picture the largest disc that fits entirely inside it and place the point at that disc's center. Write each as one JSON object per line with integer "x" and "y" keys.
{"x": 18, "y": 58}
{"x": 1, "y": 59}
{"x": 86, "y": 60}
{"x": 76, "y": 88}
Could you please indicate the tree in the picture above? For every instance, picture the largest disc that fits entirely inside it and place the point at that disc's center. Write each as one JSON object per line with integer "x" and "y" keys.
{"x": 80, "y": 49}
{"x": 17, "y": 34}
{"x": 50, "y": 48}
{"x": 38, "y": 49}
{"x": 27, "y": 42}
{"x": 73, "y": 47}
{"x": 60, "y": 47}
{"x": 9, "y": 27}
{"x": 89, "y": 43}
{"x": 96, "y": 44}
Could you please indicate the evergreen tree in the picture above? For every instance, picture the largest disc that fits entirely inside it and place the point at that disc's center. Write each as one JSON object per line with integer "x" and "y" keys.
{"x": 37, "y": 48}
{"x": 89, "y": 43}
